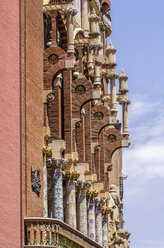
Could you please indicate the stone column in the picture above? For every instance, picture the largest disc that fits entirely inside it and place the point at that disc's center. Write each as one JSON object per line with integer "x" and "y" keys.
{"x": 113, "y": 76}
{"x": 54, "y": 29}
{"x": 96, "y": 47}
{"x": 46, "y": 151}
{"x": 70, "y": 12}
{"x": 125, "y": 103}
{"x": 94, "y": 26}
{"x": 105, "y": 230}
{"x": 70, "y": 208}
{"x": 99, "y": 204}
{"x": 82, "y": 206}
{"x": 91, "y": 214}
{"x": 57, "y": 186}
{"x": 111, "y": 54}
{"x": 84, "y": 16}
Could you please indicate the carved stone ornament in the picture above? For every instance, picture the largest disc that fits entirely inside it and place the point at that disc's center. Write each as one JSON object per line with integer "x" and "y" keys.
{"x": 50, "y": 97}
{"x": 35, "y": 181}
{"x": 53, "y": 59}
{"x": 111, "y": 138}
{"x": 98, "y": 116}
{"x": 80, "y": 90}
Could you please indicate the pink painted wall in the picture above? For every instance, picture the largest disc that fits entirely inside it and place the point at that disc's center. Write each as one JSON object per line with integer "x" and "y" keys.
{"x": 10, "y": 173}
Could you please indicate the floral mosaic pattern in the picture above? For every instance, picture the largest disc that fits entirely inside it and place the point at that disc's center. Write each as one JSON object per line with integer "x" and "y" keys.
{"x": 98, "y": 225}
{"x": 57, "y": 195}
{"x": 91, "y": 219}
{"x": 82, "y": 212}
{"x": 71, "y": 203}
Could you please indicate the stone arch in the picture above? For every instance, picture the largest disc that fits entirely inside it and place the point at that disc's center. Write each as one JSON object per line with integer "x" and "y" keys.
{"x": 52, "y": 69}
{"x": 79, "y": 33}
{"x": 79, "y": 99}
{"x": 98, "y": 124}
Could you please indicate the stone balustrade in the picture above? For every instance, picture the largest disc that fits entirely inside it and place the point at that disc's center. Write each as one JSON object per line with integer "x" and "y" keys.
{"x": 48, "y": 232}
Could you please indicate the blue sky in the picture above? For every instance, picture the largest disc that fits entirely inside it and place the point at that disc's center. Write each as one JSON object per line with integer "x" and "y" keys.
{"x": 138, "y": 35}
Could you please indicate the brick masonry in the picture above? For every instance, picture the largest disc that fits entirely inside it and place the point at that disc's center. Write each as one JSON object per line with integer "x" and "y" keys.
{"x": 10, "y": 177}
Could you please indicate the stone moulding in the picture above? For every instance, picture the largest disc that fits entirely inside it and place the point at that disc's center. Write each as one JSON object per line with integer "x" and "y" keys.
{"x": 56, "y": 232}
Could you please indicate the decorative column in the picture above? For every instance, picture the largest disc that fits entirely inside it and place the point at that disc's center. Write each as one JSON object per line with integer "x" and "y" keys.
{"x": 91, "y": 218}
{"x": 46, "y": 152}
{"x": 57, "y": 185}
{"x": 70, "y": 12}
{"x": 84, "y": 14}
{"x": 70, "y": 208}
{"x": 54, "y": 29}
{"x": 82, "y": 206}
{"x": 96, "y": 47}
{"x": 111, "y": 54}
{"x": 123, "y": 87}
{"x": 94, "y": 25}
{"x": 99, "y": 204}
{"x": 125, "y": 103}
{"x": 113, "y": 76}
{"x": 105, "y": 213}
{"x": 91, "y": 213}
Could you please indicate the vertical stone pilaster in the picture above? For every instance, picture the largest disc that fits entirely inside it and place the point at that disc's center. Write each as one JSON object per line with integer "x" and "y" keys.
{"x": 57, "y": 185}
{"x": 82, "y": 206}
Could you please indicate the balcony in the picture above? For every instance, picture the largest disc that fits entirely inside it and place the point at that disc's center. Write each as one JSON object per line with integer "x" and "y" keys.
{"x": 48, "y": 232}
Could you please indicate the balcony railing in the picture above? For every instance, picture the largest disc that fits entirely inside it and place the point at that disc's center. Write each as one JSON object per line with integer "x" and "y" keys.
{"x": 48, "y": 232}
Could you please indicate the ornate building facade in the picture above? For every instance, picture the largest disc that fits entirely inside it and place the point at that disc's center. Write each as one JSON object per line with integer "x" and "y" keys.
{"x": 67, "y": 157}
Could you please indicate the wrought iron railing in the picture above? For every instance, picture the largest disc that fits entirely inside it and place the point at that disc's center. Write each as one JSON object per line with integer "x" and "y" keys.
{"x": 48, "y": 232}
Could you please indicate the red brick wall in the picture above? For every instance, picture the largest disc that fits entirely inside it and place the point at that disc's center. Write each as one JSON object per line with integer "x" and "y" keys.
{"x": 32, "y": 103}
{"x": 10, "y": 173}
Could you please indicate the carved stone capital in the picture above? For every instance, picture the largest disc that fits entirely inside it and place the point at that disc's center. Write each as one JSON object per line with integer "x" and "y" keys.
{"x": 93, "y": 16}
{"x": 57, "y": 163}
{"x": 83, "y": 185}
{"x": 71, "y": 175}
{"x": 125, "y": 101}
{"x": 100, "y": 202}
{"x": 112, "y": 75}
{"x": 69, "y": 11}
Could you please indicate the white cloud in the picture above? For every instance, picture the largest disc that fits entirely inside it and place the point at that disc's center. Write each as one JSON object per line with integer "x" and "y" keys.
{"x": 145, "y": 159}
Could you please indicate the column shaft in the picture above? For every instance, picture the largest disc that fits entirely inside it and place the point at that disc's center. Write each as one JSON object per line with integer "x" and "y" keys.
{"x": 105, "y": 230}
{"x": 84, "y": 16}
{"x": 113, "y": 94}
{"x": 45, "y": 189}
{"x": 98, "y": 225}
{"x": 91, "y": 219}
{"x": 70, "y": 203}
{"x": 70, "y": 33}
{"x": 125, "y": 118}
{"x": 57, "y": 180}
{"x": 82, "y": 212}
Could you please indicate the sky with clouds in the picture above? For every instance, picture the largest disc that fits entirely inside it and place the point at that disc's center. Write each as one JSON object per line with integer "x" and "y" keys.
{"x": 138, "y": 35}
